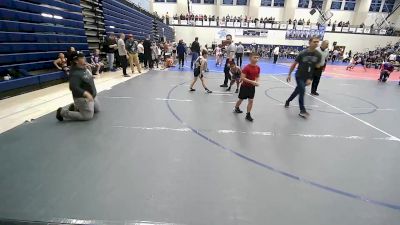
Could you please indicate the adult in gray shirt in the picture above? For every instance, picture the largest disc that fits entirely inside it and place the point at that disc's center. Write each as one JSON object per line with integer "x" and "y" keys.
{"x": 308, "y": 60}
{"x": 83, "y": 92}
{"x": 323, "y": 50}
{"x": 239, "y": 54}
{"x": 123, "y": 54}
{"x": 230, "y": 49}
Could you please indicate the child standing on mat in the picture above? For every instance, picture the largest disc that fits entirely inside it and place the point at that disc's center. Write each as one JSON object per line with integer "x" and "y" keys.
{"x": 250, "y": 77}
{"x": 235, "y": 73}
{"x": 218, "y": 56}
{"x": 307, "y": 60}
{"x": 200, "y": 66}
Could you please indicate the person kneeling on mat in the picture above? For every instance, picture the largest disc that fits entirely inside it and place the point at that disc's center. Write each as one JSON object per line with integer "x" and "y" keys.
{"x": 199, "y": 69}
{"x": 83, "y": 91}
{"x": 387, "y": 69}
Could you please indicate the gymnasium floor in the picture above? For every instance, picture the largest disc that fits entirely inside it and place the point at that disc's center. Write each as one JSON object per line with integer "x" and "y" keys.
{"x": 161, "y": 154}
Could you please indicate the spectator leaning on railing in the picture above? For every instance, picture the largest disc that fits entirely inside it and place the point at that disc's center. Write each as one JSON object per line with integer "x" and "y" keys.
{"x": 261, "y": 20}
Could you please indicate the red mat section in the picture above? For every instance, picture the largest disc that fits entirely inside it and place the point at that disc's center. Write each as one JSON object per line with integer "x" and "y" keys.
{"x": 357, "y": 73}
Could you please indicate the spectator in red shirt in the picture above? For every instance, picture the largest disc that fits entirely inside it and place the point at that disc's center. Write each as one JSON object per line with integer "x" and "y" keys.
{"x": 250, "y": 79}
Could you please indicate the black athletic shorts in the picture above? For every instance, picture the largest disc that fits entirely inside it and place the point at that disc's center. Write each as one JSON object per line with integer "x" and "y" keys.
{"x": 317, "y": 72}
{"x": 235, "y": 76}
{"x": 196, "y": 72}
{"x": 239, "y": 55}
{"x": 227, "y": 63}
{"x": 247, "y": 92}
{"x": 361, "y": 63}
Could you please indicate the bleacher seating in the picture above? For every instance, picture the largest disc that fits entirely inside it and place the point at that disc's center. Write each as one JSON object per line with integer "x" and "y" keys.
{"x": 30, "y": 40}
{"x": 34, "y": 32}
{"x": 126, "y": 19}
{"x": 249, "y": 46}
{"x": 168, "y": 31}
{"x": 9, "y": 59}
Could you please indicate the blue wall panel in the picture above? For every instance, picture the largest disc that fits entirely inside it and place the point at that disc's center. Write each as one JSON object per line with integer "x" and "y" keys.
{"x": 33, "y": 32}
{"x": 122, "y": 17}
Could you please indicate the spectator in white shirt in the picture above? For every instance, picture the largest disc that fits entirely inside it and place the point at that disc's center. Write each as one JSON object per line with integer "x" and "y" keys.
{"x": 123, "y": 54}
{"x": 276, "y": 54}
{"x": 239, "y": 54}
{"x": 141, "y": 52}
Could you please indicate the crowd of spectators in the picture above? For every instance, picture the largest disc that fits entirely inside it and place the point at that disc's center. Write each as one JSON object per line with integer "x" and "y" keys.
{"x": 200, "y": 17}
{"x": 162, "y": 54}
{"x": 148, "y": 54}
{"x": 388, "y": 56}
{"x": 375, "y": 58}
{"x": 64, "y": 61}
{"x": 228, "y": 18}
{"x": 246, "y": 19}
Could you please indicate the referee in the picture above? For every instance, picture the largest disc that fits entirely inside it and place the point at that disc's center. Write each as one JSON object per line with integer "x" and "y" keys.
{"x": 323, "y": 50}
{"x": 230, "y": 50}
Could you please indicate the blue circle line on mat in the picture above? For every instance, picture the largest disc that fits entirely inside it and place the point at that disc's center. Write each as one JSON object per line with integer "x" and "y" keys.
{"x": 273, "y": 169}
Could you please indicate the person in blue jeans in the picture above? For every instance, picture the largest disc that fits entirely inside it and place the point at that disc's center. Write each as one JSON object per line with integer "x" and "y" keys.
{"x": 109, "y": 47}
{"x": 307, "y": 61}
{"x": 195, "y": 49}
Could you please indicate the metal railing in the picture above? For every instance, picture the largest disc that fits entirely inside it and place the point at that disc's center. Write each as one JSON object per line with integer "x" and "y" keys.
{"x": 280, "y": 25}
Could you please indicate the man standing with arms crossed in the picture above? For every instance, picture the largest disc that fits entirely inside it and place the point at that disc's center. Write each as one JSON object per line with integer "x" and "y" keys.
{"x": 323, "y": 50}
{"x": 307, "y": 60}
{"x": 230, "y": 52}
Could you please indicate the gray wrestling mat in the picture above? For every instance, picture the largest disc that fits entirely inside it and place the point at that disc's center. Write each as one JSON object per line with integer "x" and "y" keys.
{"x": 161, "y": 154}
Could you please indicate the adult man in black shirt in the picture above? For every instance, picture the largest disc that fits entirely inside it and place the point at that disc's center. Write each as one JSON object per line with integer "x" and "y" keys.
{"x": 195, "y": 49}
{"x": 307, "y": 60}
{"x": 70, "y": 52}
{"x": 83, "y": 92}
{"x": 109, "y": 47}
{"x": 147, "y": 52}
